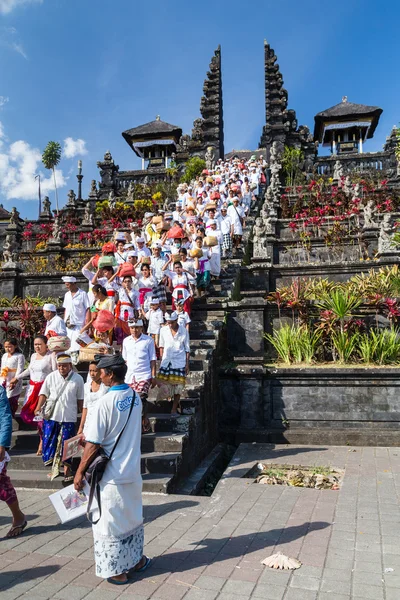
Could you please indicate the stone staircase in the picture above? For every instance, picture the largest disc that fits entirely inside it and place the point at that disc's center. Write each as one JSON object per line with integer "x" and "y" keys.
{"x": 176, "y": 445}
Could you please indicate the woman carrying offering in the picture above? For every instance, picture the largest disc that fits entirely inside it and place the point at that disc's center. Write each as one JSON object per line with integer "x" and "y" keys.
{"x": 181, "y": 283}
{"x": 146, "y": 282}
{"x": 41, "y": 364}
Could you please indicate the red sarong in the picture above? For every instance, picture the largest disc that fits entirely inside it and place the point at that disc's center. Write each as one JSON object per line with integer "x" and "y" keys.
{"x": 28, "y": 410}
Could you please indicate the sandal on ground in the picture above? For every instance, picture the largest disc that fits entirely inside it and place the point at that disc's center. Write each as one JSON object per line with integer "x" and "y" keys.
{"x": 11, "y": 533}
{"x": 68, "y": 479}
{"x": 116, "y": 581}
{"x": 142, "y": 569}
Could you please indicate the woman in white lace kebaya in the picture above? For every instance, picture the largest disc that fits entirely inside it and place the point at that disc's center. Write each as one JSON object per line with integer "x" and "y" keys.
{"x": 41, "y": 364}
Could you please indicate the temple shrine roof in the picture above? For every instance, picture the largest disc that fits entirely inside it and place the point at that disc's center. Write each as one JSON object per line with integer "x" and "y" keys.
{"x": 4, "y": 214}
{"x": 347, "y": 111}
{"x": 154, "y": 129}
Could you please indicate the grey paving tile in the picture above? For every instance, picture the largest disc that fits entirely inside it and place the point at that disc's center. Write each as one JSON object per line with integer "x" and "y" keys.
{"x": 329, "y": 596}
{"x": 335, "y": 587}
{"x": 72, "y": 592}
{"x": 269, "y": 592}
{"x": 210, "y": 583}
{"x": 195, "y": 594}
{"x": 305, "y": 583}
{"x": 298, "y": 594}
{"x": 370, "y": 592}
{"x": 337, "y": 574}
{"x": 238, "y": 587}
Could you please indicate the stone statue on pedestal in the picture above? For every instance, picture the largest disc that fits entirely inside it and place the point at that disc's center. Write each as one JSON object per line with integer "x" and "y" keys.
{"x": 337, "y": 170}
{"x": 386, "y": 231}
{"x": 93, "y": 194}
{"x": 56, "y": 233}
{"x": 129, "y": 195}
{"x": 88, "y": 216}
{"x": 369, "y": 212}
{"x": 71, "y": 199}
{"x": 259, "y": 246}
{"x": 111, "y": 200}
{"x": 14, "y": 216}
{"x": 210, "y": 158}
{"x": 10, "y": 254}
{"x": 46, "y": 207}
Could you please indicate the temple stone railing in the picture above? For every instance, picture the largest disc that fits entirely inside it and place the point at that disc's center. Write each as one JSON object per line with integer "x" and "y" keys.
{"x": 359, "y": 163}
{"x": 124, "y": 178}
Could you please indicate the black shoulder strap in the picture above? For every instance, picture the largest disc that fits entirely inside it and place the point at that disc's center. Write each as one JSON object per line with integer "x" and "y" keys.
{"x": 123, "y": 429}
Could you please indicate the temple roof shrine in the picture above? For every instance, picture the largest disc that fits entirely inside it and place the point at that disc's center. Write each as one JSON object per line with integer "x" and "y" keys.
{"x": 154, "y": 142}
{"x": 345, "y": 126}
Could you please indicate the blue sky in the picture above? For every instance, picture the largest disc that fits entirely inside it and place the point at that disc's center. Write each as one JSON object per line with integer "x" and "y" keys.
{"x": 89, "y": 69}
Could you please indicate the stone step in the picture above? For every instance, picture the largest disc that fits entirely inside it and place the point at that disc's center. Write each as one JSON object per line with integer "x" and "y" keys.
{"x": 152, "y": 482}
{"x": 167, "y": 423}
{"x": 208, "y": 325}
{"x": 202, "y": 315}
{"x": 151, "y": 462}
{"x": 25, "y": 441}
{"x": 188, "y": 405}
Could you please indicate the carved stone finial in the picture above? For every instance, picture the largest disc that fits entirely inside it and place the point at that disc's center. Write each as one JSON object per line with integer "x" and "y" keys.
{"x": 344, "y": 99}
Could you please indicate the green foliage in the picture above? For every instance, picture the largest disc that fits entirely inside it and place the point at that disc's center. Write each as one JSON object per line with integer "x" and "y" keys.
{"x": 295, "y": 343}
{"x": 345, "y": 344}
{"x": 291, "y": 161}
{"x": 51, "y": 155}
{"x": 397, "y": 151}
{"x": 341, "y": 303}
{"x": 50, "y": 158}
{"x": 330, "y": 329}
{"x": 380, "y": 347}
{"x": 193, "y": 169}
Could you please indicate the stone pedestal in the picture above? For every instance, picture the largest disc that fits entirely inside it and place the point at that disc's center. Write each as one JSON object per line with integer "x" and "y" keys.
{"x": 10, "y": 280}
{"x": 246, "y": 328}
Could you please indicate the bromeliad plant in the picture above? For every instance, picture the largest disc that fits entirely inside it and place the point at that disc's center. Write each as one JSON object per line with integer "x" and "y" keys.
{"x": 326, "y": 315}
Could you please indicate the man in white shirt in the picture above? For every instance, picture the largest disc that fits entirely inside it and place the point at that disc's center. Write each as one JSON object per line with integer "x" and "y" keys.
{"x": 54, "y": 324}
{"x": 118, "y": 532}
{"x": 142, "y": 250}
{"x": 139, "y": 352}
{"x": 237, "y": 215}
{"x": 76, "y": 313}
{"x": 64, "y": 389}
{"x": 226, "y": 228}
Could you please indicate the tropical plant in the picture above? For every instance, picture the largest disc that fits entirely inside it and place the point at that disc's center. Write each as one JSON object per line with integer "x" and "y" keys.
{"x": 50, "y": 159}
{"x": 381, "y": 347}
{"x": 193, "y": 169}
{"x": 291, "y": 161}
{"x": 294, "y": 343}
{"x": 345, "y": 344}
{"x": 342, "y": 303}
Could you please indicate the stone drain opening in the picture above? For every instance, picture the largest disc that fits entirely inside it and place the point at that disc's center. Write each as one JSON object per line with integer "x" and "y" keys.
{"x": 316, "y": 477}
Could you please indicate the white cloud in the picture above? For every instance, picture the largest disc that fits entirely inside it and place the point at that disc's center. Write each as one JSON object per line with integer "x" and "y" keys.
{"x": 6, "y": 6}
{"x": 19, "y": 164}
{"x": 9, "y": 39}
{"x": 74, "y": 147}
{"x": 3, "y": 100}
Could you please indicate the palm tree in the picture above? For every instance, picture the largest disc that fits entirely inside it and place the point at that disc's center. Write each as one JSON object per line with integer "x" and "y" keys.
{"x": 50, "y": 158}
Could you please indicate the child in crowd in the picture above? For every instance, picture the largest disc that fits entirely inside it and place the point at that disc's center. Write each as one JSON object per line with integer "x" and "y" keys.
{"x": 155, "y": 318}
{"x": 183, "y": 317}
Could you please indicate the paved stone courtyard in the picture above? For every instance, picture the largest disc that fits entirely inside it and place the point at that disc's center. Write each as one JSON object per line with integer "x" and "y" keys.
{"x": 211, "y": 548}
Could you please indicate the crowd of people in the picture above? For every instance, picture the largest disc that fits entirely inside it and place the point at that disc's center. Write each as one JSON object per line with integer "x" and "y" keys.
{"x": 122, "y": 327}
